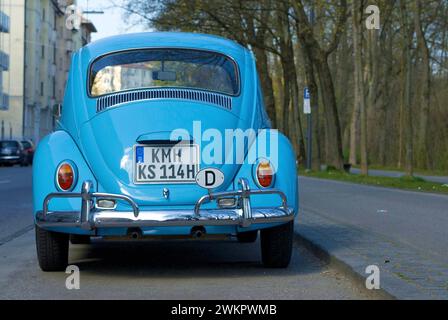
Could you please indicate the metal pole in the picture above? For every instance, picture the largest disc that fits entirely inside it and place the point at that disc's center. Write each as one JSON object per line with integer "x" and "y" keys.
{"x": 309, "y": 117}
{"x": 310, "y": 142}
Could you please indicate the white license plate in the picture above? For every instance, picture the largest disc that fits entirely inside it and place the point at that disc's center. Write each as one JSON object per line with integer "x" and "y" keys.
{"x": 177, "y": 163}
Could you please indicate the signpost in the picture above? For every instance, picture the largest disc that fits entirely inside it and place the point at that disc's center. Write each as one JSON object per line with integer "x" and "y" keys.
{"x": 307, "y": 111}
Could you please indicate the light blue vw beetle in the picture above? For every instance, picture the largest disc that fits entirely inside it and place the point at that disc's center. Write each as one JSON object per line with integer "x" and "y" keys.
{"x": 164, "y": 135}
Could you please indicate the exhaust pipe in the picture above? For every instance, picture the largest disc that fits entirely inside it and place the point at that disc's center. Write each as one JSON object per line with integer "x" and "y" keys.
{"x": 198, "y": 232}
{"x": 135, "y": 233}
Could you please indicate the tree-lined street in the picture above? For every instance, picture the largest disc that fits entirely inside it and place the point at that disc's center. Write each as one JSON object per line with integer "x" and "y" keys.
{"x": 376, "y": 71}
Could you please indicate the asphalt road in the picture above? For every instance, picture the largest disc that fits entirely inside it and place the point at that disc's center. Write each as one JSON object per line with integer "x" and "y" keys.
{"x": 414, "y": 218}
{"x": 154, "y": 270}
{"x": 397, "y": 174}
{"x": 15, "y": 202}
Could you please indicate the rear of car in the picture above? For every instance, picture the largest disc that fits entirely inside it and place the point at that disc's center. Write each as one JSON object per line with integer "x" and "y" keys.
{"x": 28, "y": 147}
{"x": 11, "y": 153}
{"x": 133, "y": 158}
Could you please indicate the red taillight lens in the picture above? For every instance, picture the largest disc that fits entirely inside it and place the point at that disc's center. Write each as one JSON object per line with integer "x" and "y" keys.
{"x": 66, "y": 176}
{"x": 265, "y": 174}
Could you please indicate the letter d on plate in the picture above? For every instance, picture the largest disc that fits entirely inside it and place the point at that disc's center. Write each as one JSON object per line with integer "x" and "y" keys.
{"x": 210, "y": 178}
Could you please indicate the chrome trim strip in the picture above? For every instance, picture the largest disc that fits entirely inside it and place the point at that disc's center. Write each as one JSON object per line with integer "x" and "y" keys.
{"x": 91, "y": 217}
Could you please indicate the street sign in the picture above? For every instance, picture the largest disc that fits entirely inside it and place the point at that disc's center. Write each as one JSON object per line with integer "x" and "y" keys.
{"x": 307, "y": 111}
{"x": 306, "y": 101}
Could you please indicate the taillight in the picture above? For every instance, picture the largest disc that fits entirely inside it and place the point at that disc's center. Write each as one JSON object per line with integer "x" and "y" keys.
{"x": 65, "y": 176}
{"x": 265, "y": 174}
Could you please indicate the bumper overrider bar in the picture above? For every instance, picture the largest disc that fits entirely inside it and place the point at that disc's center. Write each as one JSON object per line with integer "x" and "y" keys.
{"x": 91, "y": 217}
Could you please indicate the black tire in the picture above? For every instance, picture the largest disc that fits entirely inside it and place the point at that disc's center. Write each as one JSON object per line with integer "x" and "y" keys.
{"x": 52, "y": 250}
{"x": 276, "y": 245}
{"x": 79, "y": 239}
{"x": 247, "y": 237}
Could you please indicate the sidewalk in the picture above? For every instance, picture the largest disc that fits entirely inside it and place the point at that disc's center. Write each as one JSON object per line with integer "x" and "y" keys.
{"x": 405, "y": 273}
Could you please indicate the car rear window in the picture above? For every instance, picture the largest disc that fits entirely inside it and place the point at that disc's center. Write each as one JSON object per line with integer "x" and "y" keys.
{"x": 26, "y": 144}
{"x": 9, "y": 144}
{"x": 148, "y": 68}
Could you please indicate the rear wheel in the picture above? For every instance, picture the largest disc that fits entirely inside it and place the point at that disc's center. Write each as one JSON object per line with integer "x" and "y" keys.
{"x": 52, "y": 250}
{"x": 247, "y": 237}
{"x": 79, "y": 239}
{"x": 276, "y": 245}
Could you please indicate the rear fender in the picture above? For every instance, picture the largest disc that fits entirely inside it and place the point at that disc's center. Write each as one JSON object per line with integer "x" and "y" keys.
{"x": 282, "y": 157}
{"x": 51, "y": 151}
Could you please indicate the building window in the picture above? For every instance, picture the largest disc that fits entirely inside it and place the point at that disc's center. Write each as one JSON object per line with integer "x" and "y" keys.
{"x": 41, "y": 89}
{"x": 43, "y": 14}
{"x": 43, "y": 52}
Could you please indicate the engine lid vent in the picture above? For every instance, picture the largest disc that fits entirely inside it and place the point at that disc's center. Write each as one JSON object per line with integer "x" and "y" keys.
{"x": 165, "y": 93}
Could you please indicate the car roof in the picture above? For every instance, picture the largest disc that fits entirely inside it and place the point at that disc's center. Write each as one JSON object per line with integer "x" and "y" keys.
{"x": 164, "y": 39}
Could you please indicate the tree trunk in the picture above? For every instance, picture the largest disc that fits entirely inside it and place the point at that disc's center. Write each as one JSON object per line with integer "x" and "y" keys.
{"x": 319, "y": 57}
{"x": 333, "y": 127}
{"x": 406, "y": 91}
{"x": 291, "y": 115}
{"x": 359, "y": 82}
{"x": 312, "y": 87}
{"x": 425, "y": 87}
{"x": 266, "y": 84}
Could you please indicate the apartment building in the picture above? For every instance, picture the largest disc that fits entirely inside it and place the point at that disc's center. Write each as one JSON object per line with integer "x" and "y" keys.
{"x": 40, "y": 48}
{"x": 12, "y": 45}
{"x": 4, "y": 61}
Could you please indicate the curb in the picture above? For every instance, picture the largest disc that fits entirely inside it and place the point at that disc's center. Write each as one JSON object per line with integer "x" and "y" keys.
{"x": 343, "y": 266}
{"x": 353, "y": 265}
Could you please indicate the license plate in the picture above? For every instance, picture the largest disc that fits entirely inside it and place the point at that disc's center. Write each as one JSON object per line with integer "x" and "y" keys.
{"x": 177, "y": 163}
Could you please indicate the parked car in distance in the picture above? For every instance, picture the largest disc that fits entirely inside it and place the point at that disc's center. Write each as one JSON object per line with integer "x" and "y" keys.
{"x": 139, "y": 153}
{"x": 28, "y": 146}
{"x": 12, "y": 152}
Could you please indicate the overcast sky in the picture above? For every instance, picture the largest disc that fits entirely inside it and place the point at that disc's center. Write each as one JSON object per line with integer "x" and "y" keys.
{"x": 108, "y": 24}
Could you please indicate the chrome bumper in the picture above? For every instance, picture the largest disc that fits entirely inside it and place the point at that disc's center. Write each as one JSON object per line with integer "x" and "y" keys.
{"x": 91, "y": 217}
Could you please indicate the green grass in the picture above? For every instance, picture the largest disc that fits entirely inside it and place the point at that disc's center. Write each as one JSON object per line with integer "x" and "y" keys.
{"x": 417, "y": 171}
{"x": 407, "y": 183}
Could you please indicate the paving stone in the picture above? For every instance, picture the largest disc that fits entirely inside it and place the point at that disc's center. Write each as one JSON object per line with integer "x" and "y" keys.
{"x": 409, "y": 274}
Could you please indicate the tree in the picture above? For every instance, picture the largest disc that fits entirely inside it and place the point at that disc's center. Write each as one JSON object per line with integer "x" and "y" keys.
{"x": 319, "y": 58}
{"x": 360, "y": 102}
{"x": 406, "y": 109}
{"x": 425, "y": 89}
{"x": 370, "y": 88}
